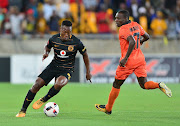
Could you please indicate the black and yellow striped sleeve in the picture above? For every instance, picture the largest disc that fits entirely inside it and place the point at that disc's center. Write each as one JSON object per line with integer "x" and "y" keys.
{"x": 49, "y": 43}
{"x": 81, "y": 48}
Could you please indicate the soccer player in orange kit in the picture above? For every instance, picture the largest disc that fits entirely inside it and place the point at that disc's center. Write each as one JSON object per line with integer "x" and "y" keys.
{"x": 131, "y": 36}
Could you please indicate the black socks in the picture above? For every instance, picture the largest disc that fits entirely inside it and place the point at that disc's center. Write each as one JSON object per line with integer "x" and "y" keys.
{"x": 50, "y": 94}
{"x": 29, "y": 97}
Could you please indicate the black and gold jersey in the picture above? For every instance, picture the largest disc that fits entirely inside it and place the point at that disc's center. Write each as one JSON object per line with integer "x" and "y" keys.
{"x": 65, "y": 51}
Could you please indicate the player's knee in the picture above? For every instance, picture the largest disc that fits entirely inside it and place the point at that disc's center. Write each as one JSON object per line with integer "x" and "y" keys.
{"x": 60, "y": 83}
{"x": 36, "y": 87}
{"x": 116, "y": 84}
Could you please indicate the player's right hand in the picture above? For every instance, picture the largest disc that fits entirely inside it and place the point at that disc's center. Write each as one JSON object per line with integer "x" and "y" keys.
{"x": 45, "y": 56}
{"x": 123, "y": 62}
{"x": 88, "y": 76}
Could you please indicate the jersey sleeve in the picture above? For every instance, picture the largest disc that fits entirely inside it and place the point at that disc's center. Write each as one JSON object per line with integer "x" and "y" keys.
{"x": 142, "y": 32}
{"x": 81, "y": 48}
{"x": 49, "y": 43}
{"x": 124, "y": 33}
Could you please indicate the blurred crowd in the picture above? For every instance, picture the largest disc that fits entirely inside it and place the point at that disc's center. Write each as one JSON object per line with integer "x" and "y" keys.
{"x": 39, "y": 17}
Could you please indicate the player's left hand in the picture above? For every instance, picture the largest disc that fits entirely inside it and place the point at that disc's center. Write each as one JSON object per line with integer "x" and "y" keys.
{"x": 123, "y": 62}
{"x": 88, "y": 76}
{"x": 44, "y": 56}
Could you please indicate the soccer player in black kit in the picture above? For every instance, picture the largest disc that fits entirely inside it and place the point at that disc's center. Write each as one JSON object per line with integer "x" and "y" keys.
{"x": 65, "y": 47}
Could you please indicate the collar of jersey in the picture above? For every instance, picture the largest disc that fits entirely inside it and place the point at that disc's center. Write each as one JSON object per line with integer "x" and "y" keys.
{"x": 70, "y": 38}
{"x": 126, "y": 23}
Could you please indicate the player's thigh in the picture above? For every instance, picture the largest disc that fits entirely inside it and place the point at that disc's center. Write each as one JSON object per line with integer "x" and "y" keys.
{"x": 62, "y": 77}
{"x": 141, "y": 74}
{"x": 122, "y": 73}
{"x": 64, "y": 72}
{"x": 48, "y": 74}
{"x": 140, "y": 71}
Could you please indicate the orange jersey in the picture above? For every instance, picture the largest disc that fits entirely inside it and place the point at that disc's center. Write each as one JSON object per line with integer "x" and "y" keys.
{"x": 136, "y": 57}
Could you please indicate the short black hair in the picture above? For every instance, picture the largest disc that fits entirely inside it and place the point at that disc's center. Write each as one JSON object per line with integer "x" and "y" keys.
{"x": 66, "y": 23}
{"x": 125, "y": 13}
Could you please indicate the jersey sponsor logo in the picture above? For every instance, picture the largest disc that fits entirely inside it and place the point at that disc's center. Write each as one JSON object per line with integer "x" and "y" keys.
{"x": 63, "y": 54}
{"x": 70, "y": 48}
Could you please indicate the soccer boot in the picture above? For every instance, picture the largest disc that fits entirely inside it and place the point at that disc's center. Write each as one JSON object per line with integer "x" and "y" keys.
{"x": 38, "y": 104}
{"x": 21, "y": 114}
{"x": 102, "y": 108}
{"x": 165, "y": 89}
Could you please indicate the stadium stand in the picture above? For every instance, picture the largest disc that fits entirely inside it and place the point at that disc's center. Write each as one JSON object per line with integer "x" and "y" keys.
{"x": 93, "y": 22}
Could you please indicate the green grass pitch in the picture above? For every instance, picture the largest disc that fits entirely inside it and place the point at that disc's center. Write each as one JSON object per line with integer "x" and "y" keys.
{"x": 133, "y": 107}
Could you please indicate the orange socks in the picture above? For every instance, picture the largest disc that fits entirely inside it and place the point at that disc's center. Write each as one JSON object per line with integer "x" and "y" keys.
{"x": 151, "y": 85}
{"x": 115, "y": 92}
{"x": 112, "y": 97}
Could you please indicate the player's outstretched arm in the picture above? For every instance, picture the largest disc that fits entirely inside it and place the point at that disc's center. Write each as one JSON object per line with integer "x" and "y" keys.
{"x": 46, "y": 52}
{"x": 144, "y": 38}
{"x": 87, "y": 64}
{"x": 131, "y": 41}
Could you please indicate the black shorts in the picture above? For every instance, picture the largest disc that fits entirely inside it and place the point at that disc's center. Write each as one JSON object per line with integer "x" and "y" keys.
{"x": 52, "y": 70}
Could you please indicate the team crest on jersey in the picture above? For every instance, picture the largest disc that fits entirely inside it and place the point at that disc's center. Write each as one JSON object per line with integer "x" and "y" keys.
{"x": 70, "y": 48}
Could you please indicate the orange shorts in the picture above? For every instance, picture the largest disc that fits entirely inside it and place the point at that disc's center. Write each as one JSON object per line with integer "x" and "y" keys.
{"x": 123, "y": 72}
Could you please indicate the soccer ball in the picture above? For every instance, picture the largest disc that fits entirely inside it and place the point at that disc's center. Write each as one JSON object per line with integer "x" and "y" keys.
{"x": 51, "y": 109}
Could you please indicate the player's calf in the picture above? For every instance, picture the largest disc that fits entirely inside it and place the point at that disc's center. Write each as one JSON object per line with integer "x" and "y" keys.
{"x": 151, "y": 85}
